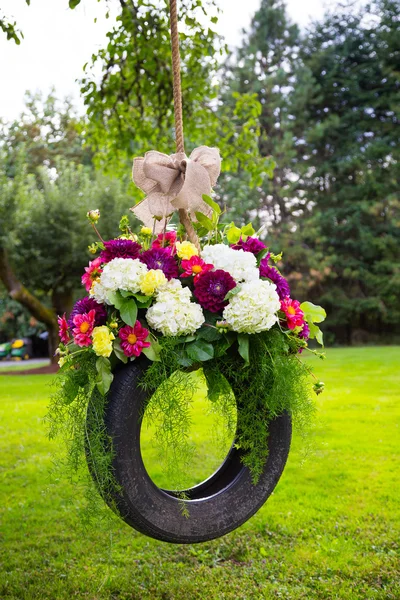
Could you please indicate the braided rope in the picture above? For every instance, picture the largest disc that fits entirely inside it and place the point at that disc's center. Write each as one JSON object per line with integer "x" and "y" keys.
{"x": 179, "y": 139}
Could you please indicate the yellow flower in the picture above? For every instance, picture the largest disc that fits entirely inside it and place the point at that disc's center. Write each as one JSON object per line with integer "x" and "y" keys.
{"x": 146, "y": 231}
{"x": 186, "y": 250}
{"x": 153, "y": 279}
{"x": 102, "y": 341}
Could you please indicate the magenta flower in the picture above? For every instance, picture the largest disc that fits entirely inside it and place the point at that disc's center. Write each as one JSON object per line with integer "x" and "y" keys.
{"x": 211, "y": 289}
{"x": 84, "y": 306}
{"x": 293, "y": 312}
{"x": 133, "y": 339}
{"x": 160, "y": 258}
{"x": 166, "y": 240}
{"x": 272, "y": 273}
{"x": 83, "y": 327}
{"x": 119, "y": 249}
{"x": 63, "y": 329}
{"x": 92, "y": 272}
{"x": 195, "y": 266}
{"x": 252, "y": 244}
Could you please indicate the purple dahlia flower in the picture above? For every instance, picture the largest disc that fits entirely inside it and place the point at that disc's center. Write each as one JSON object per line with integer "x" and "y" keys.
{"x": 119, "y": 249}
{"x": 160, "y": 258}
{"x": 282, "y": 286}
{"x": 252, "y": 244}
{"x": 84, "y": 306}
{"x": 211, "y": 289}
{"x": 305, "y": 332}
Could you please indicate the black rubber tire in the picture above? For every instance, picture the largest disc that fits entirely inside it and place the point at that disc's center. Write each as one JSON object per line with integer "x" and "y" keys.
{"x": 216, "y": 506}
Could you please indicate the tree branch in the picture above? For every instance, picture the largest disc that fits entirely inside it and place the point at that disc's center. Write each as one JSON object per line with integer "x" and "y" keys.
{"x": 19, "y": 293}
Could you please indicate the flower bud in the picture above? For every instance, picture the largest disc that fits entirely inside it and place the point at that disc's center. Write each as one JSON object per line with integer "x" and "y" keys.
{"x": 319, "y": 387}
{"x": 146, "y": 231}
{"x": 93, "y": 216}
{"x": 92, "y": 248}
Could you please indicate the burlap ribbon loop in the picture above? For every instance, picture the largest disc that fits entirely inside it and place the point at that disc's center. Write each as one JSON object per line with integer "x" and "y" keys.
{"x": 173, "y": 182}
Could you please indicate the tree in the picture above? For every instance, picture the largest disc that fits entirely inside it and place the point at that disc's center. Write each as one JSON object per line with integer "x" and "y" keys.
{"x": 268, "y": 65}
{"x": 350, "y": 176}
{"x": 47, "y": 129}
{"x": 43, "y": 239}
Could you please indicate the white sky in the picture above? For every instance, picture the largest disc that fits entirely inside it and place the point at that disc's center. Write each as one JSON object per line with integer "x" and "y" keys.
{"x": 58, "y": 41}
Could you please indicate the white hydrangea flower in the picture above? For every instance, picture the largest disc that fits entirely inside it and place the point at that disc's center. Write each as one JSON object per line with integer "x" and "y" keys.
{"x": 99, "y": 293}
{"x": 123, "y": 274}
{"x": 254, "y": 308}
{"x": 240, "y": 264}
{"x": 173, "y": 313}
{"x": 173, "y": 288}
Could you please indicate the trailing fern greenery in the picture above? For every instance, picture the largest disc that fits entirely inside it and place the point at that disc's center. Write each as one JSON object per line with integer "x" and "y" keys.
{"x": 274, "y": 380}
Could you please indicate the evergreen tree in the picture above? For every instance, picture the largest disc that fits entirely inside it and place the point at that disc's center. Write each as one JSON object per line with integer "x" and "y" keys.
{"x": 268, "y": 64}
{"x": 350, "y": 242}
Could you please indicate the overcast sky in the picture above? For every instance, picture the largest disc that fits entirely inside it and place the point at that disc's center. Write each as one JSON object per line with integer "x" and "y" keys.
{"x": 58, "y": 41}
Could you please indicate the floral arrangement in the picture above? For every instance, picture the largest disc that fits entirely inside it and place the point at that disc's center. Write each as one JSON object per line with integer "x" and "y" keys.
{"x": 143, "y": 288}
{"x": 221, "y": 306}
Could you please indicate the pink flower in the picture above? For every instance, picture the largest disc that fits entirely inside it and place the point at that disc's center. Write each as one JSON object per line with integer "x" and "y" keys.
{"x": 92, "y": 272}
{"x": 293, "y": 312}
{"x": 64, "y": 330}
{"x": 195, "y": 266}
{"x": 166, "y": 240}
{"x": 133, "y": 339}
{"x": 82, "y": 331}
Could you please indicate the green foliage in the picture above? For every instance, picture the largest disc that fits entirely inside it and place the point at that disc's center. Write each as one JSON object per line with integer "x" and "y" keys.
{"x": 273, "y": 381}
{"x": 66, "y": 419}
{"x": 15, "y": 320}
{"x": 329, "y": 119}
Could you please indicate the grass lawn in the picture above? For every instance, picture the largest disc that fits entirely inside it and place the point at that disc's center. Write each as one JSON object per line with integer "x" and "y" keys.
{"x": 331, "y": 530}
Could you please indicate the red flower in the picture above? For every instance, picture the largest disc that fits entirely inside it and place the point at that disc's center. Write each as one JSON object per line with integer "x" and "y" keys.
{"x": 64, "y": 330}
{"x": 133, "y": 339}
{"x": 211, "y": 289}
{"x": 293, "y": 312}
{"x": 166, "y": 240}
{"x": 195, "y": 266}
{"x": 82, "y": 331}
{"x": 92, "y": 272}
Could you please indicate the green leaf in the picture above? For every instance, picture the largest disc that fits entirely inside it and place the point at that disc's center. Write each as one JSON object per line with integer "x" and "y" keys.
{"x": 74, "y": 3}
{"x": 119, "y": 353}
{"x": 313, "y": 313}
{"x": 153, "y": 351}
{"x": 200, "y": 350}
{"x": 316, "y": 333}
{"x": 244, "y": 347}
{"x": 125, "y": 293}
{"x": 128, "y": 311}
{"x": 141, "y": 298}
{"x": 233, "y": 234}
{"x": 232, "y": 292}
{"x": 115, "y": 298}
{"x": 248, "y": 229}
{"x": 212, "y": 204}
{"x": 104, "y": 375}
{"x": 209, "y": 334}
{"x": 204, "y": 221}
{"x": 261, "y": 255}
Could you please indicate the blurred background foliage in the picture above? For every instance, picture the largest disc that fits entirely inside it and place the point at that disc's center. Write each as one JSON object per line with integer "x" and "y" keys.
{"x": 307, "y": 125}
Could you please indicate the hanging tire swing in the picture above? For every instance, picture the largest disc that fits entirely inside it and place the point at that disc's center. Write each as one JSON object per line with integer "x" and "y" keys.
{"x": 161, "y": 304}
{"x": 215, "y": 507}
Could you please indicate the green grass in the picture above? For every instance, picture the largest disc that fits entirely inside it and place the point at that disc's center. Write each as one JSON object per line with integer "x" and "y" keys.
{"x": 330, "y": 530}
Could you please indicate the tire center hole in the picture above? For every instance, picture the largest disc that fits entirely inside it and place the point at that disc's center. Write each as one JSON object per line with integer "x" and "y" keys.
{"x": 183, "y": 441}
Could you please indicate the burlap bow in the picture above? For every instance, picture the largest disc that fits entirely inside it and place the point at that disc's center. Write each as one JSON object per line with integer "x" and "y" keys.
{"x": 173, "y": 182}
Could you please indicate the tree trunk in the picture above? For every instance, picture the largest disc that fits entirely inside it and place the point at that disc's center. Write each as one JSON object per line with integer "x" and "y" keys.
{"x": 38, "y": 310}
